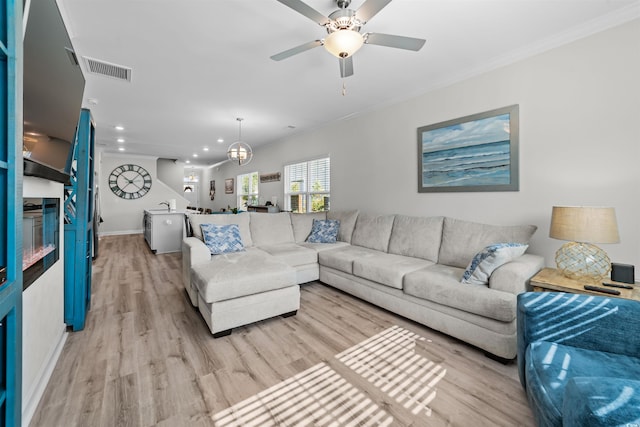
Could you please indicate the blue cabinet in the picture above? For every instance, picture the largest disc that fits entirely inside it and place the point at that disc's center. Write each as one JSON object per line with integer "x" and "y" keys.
{"x": 78, "y": 226}
{"x": 10, "y": 212}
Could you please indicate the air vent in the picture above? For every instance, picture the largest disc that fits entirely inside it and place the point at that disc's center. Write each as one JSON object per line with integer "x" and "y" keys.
{"x": 107, "y": 69}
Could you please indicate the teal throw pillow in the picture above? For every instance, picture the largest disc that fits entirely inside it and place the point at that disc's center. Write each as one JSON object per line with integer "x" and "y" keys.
{"x": 222, "y": 239}
{"x": 324, "y": 231}
{"x": 487, "y": 260}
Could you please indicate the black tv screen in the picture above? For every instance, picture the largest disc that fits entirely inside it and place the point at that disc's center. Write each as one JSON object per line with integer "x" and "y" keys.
{"x": 53, "y": 90}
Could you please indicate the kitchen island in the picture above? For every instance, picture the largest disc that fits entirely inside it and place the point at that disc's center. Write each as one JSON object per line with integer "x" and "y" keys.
{"x": 164, "y": 229}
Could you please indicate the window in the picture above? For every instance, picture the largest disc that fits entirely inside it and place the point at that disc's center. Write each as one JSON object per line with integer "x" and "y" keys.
{"x": 247, "y": 190}
{"x": 307, "y": 186}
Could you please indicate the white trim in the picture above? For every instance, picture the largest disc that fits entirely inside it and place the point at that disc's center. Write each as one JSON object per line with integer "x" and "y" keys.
{"x": 32, "y": 398}
{"x": 119, "y": 233}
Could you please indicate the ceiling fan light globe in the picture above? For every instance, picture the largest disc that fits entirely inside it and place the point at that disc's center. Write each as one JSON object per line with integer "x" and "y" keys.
{"x": 343, "y": 43}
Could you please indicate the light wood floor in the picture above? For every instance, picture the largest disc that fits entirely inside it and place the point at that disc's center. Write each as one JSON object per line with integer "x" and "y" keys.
{"x": 147, "y": 358}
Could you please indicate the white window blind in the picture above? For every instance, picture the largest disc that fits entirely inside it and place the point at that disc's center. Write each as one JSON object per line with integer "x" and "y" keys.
{"x": 307, "y": 186}
{"x": 247, "y": 190}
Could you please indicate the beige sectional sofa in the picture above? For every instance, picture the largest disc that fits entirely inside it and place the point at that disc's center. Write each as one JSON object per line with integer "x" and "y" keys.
{"x": 411, "y": 266}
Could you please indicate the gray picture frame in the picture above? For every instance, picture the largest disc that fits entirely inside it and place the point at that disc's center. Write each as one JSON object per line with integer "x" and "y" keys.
{"x": 229, "y": 186}
{"x": 479, "y": 152}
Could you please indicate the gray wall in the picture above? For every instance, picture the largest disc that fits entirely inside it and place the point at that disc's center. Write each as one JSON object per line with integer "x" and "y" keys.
{"x": 171, "y": 173}
{"x": 122, "y": 216}
{"x": 579, "y": 144}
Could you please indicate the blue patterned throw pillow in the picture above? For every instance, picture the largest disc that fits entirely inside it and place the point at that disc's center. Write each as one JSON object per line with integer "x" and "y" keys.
{"x": 222, "y": 239}
{"x": 324, "y": 231}
{"x": 487, "y": 260}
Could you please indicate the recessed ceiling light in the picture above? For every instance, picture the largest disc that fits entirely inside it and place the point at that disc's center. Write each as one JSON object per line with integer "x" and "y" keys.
{"x": 120, "y": 148}
{"x": 205, "y": 149}
{"x": 220, "y": 140}
{"x": 120, "y": 140}
{"x": 188, "y": 161}
{"x": 119, "y": 127}
{"x": 195, "y": 154}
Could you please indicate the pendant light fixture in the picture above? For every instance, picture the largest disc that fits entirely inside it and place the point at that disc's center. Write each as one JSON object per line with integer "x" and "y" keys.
{"x": 240, "y": 152}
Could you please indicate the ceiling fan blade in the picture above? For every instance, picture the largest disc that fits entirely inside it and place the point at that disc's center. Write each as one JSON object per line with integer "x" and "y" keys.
{"x": 296, "y": 50}
{"x": 346, "y": 66}
{"x": 370, "y": 8}
{"x": 306, "y": 10}
{"x": 399, "y": 42}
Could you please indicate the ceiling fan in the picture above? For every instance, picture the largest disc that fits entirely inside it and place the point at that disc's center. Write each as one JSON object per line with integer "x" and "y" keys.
{"x": 343, "y": 27}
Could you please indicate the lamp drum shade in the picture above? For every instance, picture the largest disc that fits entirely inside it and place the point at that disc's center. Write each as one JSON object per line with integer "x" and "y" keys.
{"x": 584, "y": 224}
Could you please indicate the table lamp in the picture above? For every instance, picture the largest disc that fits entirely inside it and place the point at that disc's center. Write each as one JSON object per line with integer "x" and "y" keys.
{"x": 582, "y": 226}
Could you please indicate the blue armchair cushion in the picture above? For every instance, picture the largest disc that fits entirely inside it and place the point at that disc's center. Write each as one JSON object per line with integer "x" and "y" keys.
{"x": 551, "y": 365}
{"x": 563, "y": 337}
{"x": 600, "y": 402}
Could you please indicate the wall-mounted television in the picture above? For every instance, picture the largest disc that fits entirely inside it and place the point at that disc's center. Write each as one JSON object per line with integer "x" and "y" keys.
{"x": 53, "y": 90}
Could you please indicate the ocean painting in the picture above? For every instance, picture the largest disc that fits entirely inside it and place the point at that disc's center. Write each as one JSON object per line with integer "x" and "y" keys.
{"x": 468, "y": 155}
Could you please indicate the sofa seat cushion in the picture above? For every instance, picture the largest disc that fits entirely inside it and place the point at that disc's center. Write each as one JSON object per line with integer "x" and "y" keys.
{"x": 549, "y": 366}
{"x": 342, "y": 258}
{"x": 240, "y": 274}
{"x": 387, "y": 269}
{"x": 441, "y": 284}
{"x": 291, "y": 253}
{"x": 319, "y": 247}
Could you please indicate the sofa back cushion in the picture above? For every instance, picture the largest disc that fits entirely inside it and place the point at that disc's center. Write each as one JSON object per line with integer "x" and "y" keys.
{"x": 461, "y": 240}
{"x": 373, "y": 231}
{"x": 302, "y": 223}
{"x": 242, "y": 219}
{"x": 272, "y": 228}
{"x": 347, "y": 223}
{"x": 417, "y": 237}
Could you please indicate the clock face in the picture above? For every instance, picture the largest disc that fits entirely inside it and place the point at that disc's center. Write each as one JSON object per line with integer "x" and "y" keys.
{"x": 130, "y": 181}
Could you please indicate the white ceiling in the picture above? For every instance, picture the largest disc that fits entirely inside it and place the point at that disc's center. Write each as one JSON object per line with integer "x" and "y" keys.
{"x": 197, "y": 65}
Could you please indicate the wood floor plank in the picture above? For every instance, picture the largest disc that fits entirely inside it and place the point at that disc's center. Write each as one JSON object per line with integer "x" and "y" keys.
{"x": 147, "y": 358}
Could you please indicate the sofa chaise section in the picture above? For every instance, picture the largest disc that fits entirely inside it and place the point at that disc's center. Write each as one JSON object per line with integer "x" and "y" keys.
{"x": 240, "y": 288}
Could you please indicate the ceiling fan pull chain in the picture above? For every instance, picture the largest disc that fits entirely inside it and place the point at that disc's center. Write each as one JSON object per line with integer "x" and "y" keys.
{"x": 344, "y": 88}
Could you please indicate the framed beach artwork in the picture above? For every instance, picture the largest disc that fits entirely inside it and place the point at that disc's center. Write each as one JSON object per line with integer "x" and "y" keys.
{"x": 472, "y": 153}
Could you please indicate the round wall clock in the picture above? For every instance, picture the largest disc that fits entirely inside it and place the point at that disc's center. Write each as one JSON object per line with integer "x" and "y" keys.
{"x": 130, "y": 181}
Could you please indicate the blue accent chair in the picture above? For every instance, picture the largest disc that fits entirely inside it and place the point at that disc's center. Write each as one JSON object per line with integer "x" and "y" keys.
{"x": 579, "y": 359}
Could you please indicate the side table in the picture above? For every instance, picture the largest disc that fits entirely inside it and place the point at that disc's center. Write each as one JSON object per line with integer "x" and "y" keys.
{"x": 550, "y": 279}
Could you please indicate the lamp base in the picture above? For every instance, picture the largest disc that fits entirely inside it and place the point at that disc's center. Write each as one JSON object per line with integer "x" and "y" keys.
{"x": 583, "y": 261}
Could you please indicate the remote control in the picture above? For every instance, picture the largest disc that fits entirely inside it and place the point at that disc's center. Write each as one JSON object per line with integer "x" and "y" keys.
{"x": 603, "y": 290}
{"x": 615, "y": 285}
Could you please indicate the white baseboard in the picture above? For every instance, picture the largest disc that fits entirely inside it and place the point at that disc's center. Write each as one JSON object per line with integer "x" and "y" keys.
{"x": 119, "y": 233}
{"x": 35, "y": 394}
